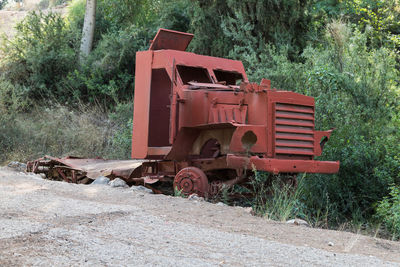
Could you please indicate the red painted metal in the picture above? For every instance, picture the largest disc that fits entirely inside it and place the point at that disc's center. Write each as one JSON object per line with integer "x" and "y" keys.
{"x": 191, "y": 180}
{"x": 187, "y": 106}
{"x": 168, "y": 39}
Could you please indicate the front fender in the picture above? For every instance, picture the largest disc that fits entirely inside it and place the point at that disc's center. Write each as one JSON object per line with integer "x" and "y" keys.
{"x": 320, "y": 138}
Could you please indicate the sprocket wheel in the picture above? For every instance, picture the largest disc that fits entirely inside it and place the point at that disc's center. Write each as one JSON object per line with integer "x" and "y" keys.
{"x": 191, "y": 180}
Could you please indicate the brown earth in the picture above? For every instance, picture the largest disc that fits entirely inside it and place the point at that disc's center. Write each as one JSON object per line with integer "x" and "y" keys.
{"x": 55, "y": 223}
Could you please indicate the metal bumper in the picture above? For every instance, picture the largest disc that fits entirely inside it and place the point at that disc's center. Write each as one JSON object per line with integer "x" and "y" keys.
{"x": 282, "y": 165}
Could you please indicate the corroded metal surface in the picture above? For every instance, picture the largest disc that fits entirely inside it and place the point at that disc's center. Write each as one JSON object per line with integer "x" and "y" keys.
{"x": 81, "y": 170}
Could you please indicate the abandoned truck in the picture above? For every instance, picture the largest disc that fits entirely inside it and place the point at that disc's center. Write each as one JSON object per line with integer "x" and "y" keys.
{"x": 199, "y": 123}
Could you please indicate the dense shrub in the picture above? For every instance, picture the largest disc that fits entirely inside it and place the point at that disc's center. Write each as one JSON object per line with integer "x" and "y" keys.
{"x": 3, "y": 3}
{"x": 39, "y": 56}
{"x": 280, "y": 23}
{"x": 389, "y": 211}
{"x": 108, "y": 74}
{"x": 13, "y": 98}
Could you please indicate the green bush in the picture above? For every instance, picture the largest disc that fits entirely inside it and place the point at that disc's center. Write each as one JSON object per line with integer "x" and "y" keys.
{"x": 13, "y": 98}
{"x": 43, "y": 4}
{"x": 388, "y": 211}
{"x": 108, "y": 74}
{"x": 39, "y": 56}
{"x": 3, "y": 3}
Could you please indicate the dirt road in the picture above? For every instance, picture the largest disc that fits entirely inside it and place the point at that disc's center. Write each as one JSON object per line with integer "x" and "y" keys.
{"x": 54, "y": 223}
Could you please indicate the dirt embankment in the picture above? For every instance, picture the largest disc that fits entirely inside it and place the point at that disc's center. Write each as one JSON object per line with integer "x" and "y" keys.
{"x": 11, "y": 15}
{"x": 55, "y": 223}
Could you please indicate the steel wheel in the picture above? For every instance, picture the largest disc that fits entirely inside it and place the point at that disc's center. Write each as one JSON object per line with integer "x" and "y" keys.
{"x": 191, "y": 180}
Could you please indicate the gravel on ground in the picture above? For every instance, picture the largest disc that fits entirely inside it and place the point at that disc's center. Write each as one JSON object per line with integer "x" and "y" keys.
{"x": 50, "y": 223}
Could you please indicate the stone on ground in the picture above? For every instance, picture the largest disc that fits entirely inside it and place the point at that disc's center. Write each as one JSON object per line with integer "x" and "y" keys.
{"x": 18, "y": 166}
{"x": 195, "y": 197}
{"x": 117, "y": 182}
{"x": 142, "y": 189}
{"x": 101, "y": 180}
{"x": 298, "y": 222}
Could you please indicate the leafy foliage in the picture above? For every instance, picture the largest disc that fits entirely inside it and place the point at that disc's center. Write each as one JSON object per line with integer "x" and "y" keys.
{"x": 108, "y": 75}
{"x": 274, "y": 22}
{"x": 389, "y": 211}
{"x": 3, "y": 3}
{"x": 39, "y": 56}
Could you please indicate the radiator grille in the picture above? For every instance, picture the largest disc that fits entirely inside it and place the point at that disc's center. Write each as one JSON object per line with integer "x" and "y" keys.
{"x": 294, "y": 130}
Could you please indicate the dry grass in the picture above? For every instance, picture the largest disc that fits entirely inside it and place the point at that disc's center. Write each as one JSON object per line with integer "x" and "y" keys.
{"x": 86, "y": 132}
{"x": 338, "y": 31}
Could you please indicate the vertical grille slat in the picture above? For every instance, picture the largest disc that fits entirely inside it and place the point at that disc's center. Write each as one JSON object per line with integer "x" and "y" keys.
{"x": 294, "y": 130}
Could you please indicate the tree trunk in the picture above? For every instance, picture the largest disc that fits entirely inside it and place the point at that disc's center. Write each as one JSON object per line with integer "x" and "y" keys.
{"x": 88, "y": 30}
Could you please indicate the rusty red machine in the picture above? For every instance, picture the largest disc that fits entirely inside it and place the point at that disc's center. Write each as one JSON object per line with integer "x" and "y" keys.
{"x": 199, "y": 123}
{"x": 199, "y": 120}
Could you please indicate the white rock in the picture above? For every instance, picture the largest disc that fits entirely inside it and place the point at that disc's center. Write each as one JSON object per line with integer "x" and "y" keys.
{"x": 221, "y": 204}
{"x": 195, "y": 197}
{"x": 18, "y": 166}
{"x": 249, "y": 210}
{"x": 117, "y": 182}
{"x": 101, "y": 180}
{"x": 298, "y": 222}
{"x": 330, "y": 244}
{"x": 142, "y": 189}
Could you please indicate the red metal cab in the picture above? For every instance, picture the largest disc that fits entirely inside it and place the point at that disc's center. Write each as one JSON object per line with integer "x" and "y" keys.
{"x": 198, "y": 115}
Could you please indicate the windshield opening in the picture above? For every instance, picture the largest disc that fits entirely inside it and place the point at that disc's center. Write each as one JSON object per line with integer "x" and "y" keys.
{"x": 228, "y": 77}
{"x": 193, "y": 74}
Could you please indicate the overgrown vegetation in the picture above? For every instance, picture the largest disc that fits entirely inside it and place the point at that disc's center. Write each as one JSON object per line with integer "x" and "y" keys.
{"x": 276, "y": 198}
{"x": 87, "y": 131}
{"x": 343, "y": 53}
{"x": 3, "y": 3}
{"x": 389, "y": 211}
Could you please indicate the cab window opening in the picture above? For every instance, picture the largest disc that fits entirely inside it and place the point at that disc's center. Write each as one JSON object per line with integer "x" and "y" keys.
{"x": 228, "y": 77}
{"x": 193, "y": 74}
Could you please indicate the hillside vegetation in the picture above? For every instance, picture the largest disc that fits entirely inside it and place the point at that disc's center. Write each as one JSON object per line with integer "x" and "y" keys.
{"x": 343, "y": 53}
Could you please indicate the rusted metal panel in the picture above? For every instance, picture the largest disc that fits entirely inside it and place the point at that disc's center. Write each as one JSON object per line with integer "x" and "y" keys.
{"x": 142, "y": 105}
{"x": 285, "y": 166}
{"x": 223, "y": 113}
{"x": 79, "y": 170}
{"x": 168, "y": 39}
